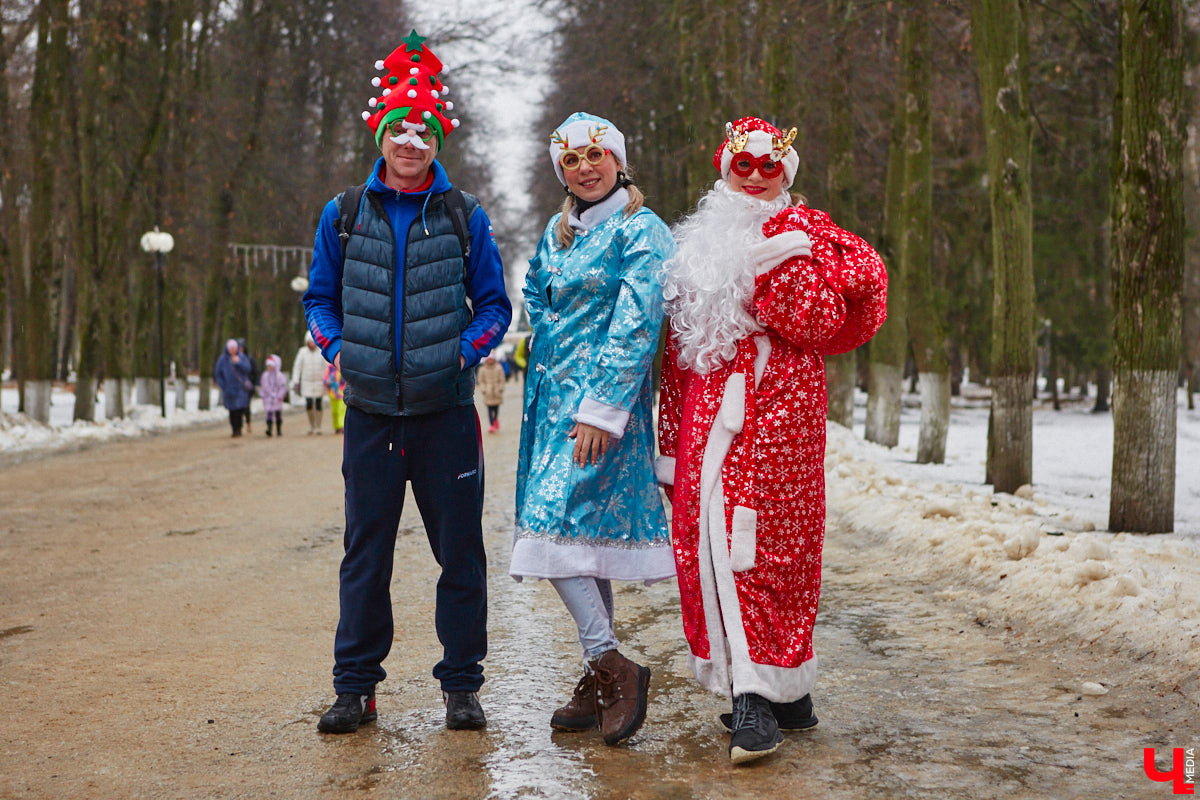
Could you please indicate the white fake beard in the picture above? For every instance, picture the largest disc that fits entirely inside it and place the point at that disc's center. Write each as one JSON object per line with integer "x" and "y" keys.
{"x": 710, "y": 280}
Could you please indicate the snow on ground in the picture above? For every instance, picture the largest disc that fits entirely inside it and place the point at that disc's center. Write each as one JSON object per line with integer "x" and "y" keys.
{"x": 1044, "y": 554}
{"x": 19, "y": 434}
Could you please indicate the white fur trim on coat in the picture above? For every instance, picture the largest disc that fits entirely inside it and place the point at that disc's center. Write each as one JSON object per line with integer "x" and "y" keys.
{"x": 761, "y": 357}
{"x": 603, "y": 416}
{"x": 778, "y": 249}
{"x": 598, "y": 213}
{"x": 664, "y": 470}
{"x": 733, "y": 404}
{"x": 743, "y": 539}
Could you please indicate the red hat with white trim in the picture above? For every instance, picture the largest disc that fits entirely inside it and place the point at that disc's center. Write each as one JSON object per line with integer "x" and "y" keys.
{"x": 412, "y": 104}
{"x": 758, "y": 138}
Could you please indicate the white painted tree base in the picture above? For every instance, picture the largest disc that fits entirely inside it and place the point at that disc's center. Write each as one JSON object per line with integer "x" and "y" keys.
{"x": 883, "y": 405}
{"x": 935, "y": 417}
{"x": 37, "y": 400}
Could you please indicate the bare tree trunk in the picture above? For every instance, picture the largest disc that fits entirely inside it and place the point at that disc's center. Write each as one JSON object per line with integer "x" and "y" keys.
{"x": 925, "y": 328}
{"x": 1147, "y": 253}
{"x": 1191, "y": 279}
{"x": 46, "y": 116}
{"x": 843, "y": 207}
{"x": 889, "y": 348}
{"x": 1000, "y": 32}
{"x": 10, "y": 249}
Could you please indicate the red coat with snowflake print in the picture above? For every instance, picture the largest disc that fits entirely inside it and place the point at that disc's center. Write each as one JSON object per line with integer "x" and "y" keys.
{"x": 747, "y": 442}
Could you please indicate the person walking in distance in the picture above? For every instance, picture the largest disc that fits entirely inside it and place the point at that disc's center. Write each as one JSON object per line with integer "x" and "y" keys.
{"x": 406, "y": 294}
{"x": 273, "y": 387}
{"x": 337, "y": 393}
{"x": 490, "y": 379}
{"x": 308, "y": 380}
{"x": 232, "y": 374}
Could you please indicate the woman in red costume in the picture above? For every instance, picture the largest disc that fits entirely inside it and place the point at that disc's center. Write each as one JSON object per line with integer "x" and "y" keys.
{"x": 761, "y": 288}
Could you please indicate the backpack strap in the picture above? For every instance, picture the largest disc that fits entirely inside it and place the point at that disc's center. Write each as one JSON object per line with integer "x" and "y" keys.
{"x": 348, "y": 203}
{"x": 456, "y": 204}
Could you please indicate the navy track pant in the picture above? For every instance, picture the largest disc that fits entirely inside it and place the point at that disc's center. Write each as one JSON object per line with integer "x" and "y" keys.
{"x": 442, "y": 456}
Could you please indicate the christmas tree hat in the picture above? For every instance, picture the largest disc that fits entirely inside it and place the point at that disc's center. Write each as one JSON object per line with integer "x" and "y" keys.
{"x": 412, "y": 102}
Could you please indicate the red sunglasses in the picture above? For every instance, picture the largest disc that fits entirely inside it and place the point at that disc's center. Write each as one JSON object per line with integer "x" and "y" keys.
{"x": 744, "y": 164}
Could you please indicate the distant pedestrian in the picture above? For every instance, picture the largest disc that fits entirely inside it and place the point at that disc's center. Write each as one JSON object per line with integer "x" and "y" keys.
{"x": 273, "y": 388}
{"x": 254, "y": 376}
{"x": 490, "y": 381}
{"x": 337, "y": 395}
{"x": 232, "y": 374}
{"x": 308, "y": 381}
{"x": 520, "y": 358}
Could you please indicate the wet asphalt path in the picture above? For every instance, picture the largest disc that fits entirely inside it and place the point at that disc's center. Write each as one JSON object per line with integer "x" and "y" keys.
{"x": 169, "y": 631}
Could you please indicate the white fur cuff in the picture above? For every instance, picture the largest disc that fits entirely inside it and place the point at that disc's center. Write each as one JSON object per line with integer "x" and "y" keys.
{"x": 603, "y": 416}
{"x": 743, "y": 538}
{"x": 664, "y": 470}
{"x": 779, "y": 248}
{"x": 733, "y": 404}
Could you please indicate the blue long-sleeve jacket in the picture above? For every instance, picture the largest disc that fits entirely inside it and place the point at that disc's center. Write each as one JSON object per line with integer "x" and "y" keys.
{"x": 492, "y": 311}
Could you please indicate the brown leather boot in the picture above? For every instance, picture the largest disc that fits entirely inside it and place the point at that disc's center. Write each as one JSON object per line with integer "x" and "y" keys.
{"x": 579, "y": 714}
{"x": 622, "y": 690}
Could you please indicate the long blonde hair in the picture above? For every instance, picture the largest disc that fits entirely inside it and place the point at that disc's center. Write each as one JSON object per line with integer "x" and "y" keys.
{"x": 564, "y": 234}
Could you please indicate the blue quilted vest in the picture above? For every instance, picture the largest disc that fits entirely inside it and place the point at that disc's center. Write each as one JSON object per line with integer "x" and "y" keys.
{"x": 436, "y": 312}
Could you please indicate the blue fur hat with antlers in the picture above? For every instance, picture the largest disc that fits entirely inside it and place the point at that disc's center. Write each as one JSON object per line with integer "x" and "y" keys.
{"x": 580, "y": 130}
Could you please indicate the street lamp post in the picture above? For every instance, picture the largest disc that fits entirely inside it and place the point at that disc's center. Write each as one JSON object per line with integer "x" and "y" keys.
{"x": 160, "y": 243}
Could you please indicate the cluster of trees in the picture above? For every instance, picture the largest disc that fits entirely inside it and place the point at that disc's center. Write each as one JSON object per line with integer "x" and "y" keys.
{"x": 1022, "y": 168}
{"x": 219, "y": 121}
{"x": 1017, "y": 164}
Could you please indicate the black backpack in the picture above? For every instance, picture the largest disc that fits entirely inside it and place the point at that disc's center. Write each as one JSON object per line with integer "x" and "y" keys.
{"x": 453, "y": 199}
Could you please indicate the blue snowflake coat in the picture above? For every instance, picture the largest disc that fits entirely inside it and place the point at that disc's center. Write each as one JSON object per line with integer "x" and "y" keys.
{"x": 596, "y": 312}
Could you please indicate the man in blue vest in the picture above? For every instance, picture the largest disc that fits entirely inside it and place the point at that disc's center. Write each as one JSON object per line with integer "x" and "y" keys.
{"x": 406, "y": 295}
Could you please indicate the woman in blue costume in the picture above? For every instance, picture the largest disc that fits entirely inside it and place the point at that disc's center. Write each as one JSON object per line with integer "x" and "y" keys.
{"x": 588, "y": 504}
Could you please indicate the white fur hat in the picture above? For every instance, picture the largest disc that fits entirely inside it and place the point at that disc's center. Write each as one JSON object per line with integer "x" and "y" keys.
{"x": 581, "y": 129}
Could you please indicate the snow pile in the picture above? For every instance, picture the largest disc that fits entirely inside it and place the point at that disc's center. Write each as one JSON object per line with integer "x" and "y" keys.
{"x": 1022, "y": 556}
{"x": 19, "y": 434}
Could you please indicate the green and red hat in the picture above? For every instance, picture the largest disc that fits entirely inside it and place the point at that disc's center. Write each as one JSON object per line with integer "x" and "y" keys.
{"x": 412, "y": 94}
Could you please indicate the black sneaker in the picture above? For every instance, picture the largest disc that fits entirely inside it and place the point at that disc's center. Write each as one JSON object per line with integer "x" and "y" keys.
{"x": 794, "y": 716}
{"x": 463, "y": 712}
{"x": 755, "y": 732}
{"x": 348, "y": 712}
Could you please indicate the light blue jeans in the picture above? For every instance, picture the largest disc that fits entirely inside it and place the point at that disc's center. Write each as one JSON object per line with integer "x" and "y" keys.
{"x": 590, "y": 601}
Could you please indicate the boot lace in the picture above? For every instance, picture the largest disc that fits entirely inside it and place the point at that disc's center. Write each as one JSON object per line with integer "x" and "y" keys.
{"x": 607, "y": 682}
{"x": 586, "y": 687}
{"x": 745, "y": 712}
